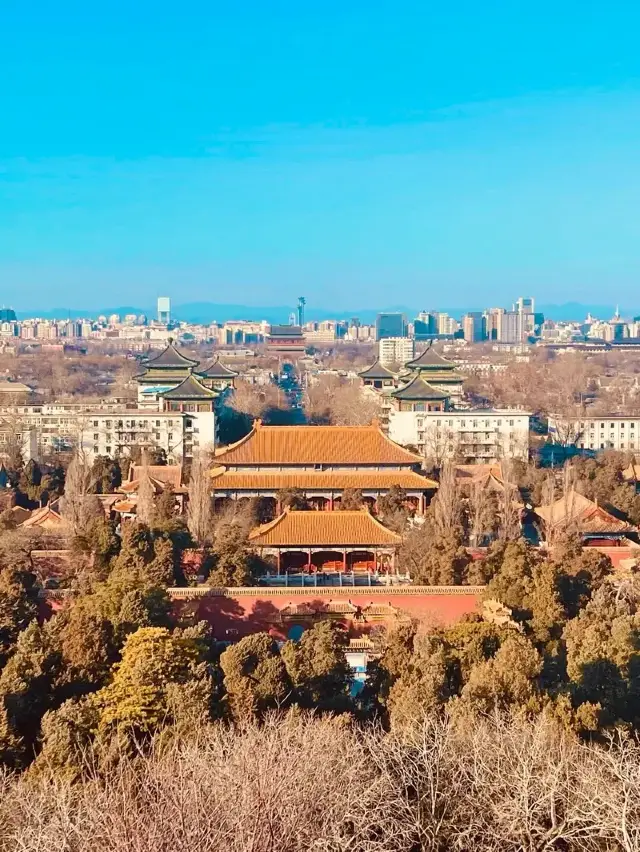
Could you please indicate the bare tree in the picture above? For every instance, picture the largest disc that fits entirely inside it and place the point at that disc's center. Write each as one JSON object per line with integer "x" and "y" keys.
{"x": 509, "y": 504}
{"x": 78, "y": 504}
{"x": 440, "y": 444}
{"x": 481, "y": 512}
{"x": 145, "y": 503}
{"x": 447, "y": 505}
{"x": 199, "y": 507}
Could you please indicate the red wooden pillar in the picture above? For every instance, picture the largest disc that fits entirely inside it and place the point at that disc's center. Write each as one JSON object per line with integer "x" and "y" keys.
{"x": 344, "y": 560}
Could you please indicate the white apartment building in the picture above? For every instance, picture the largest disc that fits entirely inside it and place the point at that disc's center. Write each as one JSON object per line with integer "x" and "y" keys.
{"x": 471, "y": 436}
{"x": 605, "y": 432}
{"x": 396, "y": 350}
{"x": 107, "y": 430}
{"x": 109, "y": 434}
{"x": 16, "y": 435}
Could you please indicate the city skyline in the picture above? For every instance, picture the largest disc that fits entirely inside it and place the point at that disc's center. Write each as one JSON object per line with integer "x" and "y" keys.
{"x": 370, "y": 154}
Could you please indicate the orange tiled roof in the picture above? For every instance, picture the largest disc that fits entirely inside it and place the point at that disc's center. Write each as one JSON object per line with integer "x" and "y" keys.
{"x": 316, "y": 445}
{"x": 588, "y": 516}
{"x": 46, "y": 518}
{"x": 311, "y": 480}
{"x": 320, "y": 529}
{"x": 167, "y": 473}
{"x": 631, "y": 473}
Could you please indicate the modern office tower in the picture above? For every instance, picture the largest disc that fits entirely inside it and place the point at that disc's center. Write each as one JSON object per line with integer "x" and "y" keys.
{"x": 164, "y": 310}
{"x": 525, "y": 306}
{"x": 425, "y": 325}
{"x": 391, "y": 325}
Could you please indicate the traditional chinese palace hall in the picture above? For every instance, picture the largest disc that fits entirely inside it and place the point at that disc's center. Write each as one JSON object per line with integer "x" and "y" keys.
{"x": 320, "y": 461}
{"x": 327, "y": 541}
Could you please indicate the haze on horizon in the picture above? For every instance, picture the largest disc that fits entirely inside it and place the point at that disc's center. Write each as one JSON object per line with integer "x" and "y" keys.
{"x": 361, "y": 153}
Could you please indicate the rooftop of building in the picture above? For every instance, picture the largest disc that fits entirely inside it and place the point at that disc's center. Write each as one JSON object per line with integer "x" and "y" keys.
{"x": 430, "y": 358}
{"x": 312, "y": 480}
{"x": 217, "y": 370}
{"x": 290, "y": 445}
{"x": 418, "y": 389}
{"x": 319, "y": 529}
{"x": 587, "y": 515}
{"x": 168, "y": 358}
{"x": 285, "y": 331}
{"x": 377, "y": 371}
{"x": 190, "y": 388}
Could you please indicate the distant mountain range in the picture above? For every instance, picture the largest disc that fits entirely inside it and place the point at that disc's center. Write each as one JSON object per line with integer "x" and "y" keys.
{"x": 206, "y": 312}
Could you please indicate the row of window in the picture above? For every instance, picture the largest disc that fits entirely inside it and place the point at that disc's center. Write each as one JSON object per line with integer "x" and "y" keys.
{"x": 132, "y": 436}
{"x": 473, "y": 424}
{"x": 592, "y": 426}
{"x": 130, "y": 424}
{"x": 610, "y": 445}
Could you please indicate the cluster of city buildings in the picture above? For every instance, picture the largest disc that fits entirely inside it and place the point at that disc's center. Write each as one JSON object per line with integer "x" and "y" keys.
{"x": 175, "y": 411}
{"x": 423, "y": 406}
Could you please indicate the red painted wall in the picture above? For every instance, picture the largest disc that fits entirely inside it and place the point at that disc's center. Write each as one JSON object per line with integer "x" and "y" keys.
{"x": 234, "y": 615}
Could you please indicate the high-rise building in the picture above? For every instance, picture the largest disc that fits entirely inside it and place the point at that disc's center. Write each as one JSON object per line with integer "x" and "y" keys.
{"x": 164, "y": 310}
{"x": 473, "y": 327}
{"x": 391, "y": 325}
{"x": 396, "y": 350}
{"x": 525, "y": 306}
{"x": 425, "y": 325}
{"x": 509, "y": 327}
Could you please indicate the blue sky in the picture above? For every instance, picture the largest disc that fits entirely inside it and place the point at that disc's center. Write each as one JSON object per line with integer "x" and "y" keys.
{"x": 366, "y": 154}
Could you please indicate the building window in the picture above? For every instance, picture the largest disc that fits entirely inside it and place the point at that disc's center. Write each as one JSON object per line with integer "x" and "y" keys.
{"x": 602, "y": 446}
{"x": 622, "y": 445}
{"x": 108, "y": 451}
{"x": 157, "y": 423}
{"x": 170, "y": 436}
{"x": 613, "y": 425}
{"x": 95, "y": 424}
{"x": 622, "y": 425}
{"x": 512, "y": 423}
{"x": 96, "y": 436}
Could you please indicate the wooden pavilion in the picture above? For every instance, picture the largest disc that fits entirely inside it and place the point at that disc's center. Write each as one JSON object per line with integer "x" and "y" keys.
{"x": 327, "y": 541}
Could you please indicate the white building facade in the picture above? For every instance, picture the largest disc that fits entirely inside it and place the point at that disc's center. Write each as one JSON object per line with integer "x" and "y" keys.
{"x": 606, "y": 432}
{"x": 396, "y": 350}
{"x": 483, "y": 435}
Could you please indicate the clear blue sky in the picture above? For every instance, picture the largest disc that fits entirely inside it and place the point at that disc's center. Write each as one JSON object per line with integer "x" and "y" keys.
{"x": 364, "y": 153}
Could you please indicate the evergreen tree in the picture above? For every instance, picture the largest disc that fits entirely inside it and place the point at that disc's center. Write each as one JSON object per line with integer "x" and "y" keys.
{"x": 255, "y": 677}
{"x": 135, "y": 705}
{"x": 18, "y": 607}
{"x": 25, "y": 695}
{"x": 235, "y": 564}
{"x": 318, "y": 668}
{"x": 68, "y": 736}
